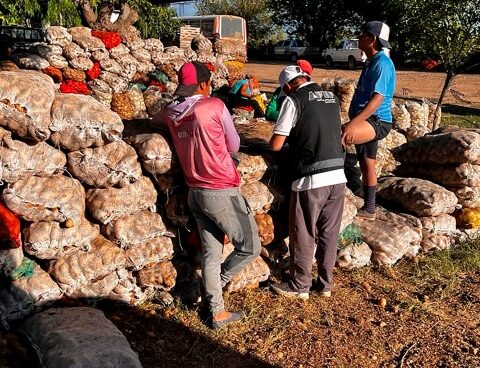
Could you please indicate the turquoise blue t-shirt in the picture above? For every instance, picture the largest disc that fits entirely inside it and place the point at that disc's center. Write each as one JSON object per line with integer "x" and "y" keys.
{"x": 237, "y": 85}
{"x": 378, "y": 75}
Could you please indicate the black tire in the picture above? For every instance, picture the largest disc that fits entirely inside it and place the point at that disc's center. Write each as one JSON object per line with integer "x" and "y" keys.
{"x": 352, "y": 63}
{"x": 293, "y": 57}
{"x": 329, "y": 61}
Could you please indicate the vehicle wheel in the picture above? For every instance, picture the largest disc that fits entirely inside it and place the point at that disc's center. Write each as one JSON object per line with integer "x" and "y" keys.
{"x": 352, "y": 63}
{"x": 293, "y": 58}
{"x": 329, "y": 61}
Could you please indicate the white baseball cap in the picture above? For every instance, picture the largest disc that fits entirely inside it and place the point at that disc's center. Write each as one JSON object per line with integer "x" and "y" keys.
{"x": 289, "y": 73}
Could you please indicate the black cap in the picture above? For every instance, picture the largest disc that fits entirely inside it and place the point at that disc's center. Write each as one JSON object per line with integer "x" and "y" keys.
{"x": 380, "y": 30}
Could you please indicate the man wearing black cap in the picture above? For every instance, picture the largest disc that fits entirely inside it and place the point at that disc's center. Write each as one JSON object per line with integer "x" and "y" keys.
{"x": 370, "y": 111}
{"x": 204, "y": 138}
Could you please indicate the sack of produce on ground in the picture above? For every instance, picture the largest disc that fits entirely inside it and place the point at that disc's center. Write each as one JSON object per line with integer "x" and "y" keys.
{"x": 100, "y": 55}
{"x": 153, "y": 45}
{"x": 468, "y": 218}
{"x": 109, "y": 204}
{"x": 154, "y": 151}
{"x": 419, "y": 196}
{"x": 59, "y": 36}
{"x": 117, "y": 84}
{"x": 98, "y": 288}
{"x": 10, "y": 259}
{"x": 159, "y": 276}
{"x": 154, "y": 100}
{"x": 20, "y": 298}
{"x": 265, "y": 228}
{"x": 54, "y": 73}
{"x": 139, "y": 108}
{"x": 449, "y": 147}
{"x": 159, "y": 249}
{"x": 251, "y": 168}
{"x": 78, "y": 337}
{"x": 31, "y": 61}
{"x": 81, "y": 63}
{"x": 74, "y": 74}
{"x": 83, "y": 37}
{"x": 438, "y": 240}
{"x": 51, "y": 240}
{"x": 23, "y": 110}
{"x": 258, "y": 196}
{"x": 345, "y": 89}
{"x": 442, "y": 223}
{"x": 55, "y": 198}
{"x": 101, "y": 91}
{"x": 133, "y": 230}
{"x": 467, "y": 196}
{"x": 73, "y": 51}
{"x": 127, "y": 290}
{"x": 445, "y": 175}
{"x": 401, "y": 117}
{"x": 354, "y": 256}
{"x": 109, "y": 39}
{"x": 45, "y": 50}
{"x": 81, "y": 121}
{"x": 389, "y": 237}
{"x": 254, "y": 273}
{"x": 385, "y": 163}
{"x": 114, "y": 164}
{"x": 111, "y": 66}
{"x": 415, "y": 132}
{"x": 82, "y": 268}
{"x": 19, "y": 160}
{"x": 123, "y": 105}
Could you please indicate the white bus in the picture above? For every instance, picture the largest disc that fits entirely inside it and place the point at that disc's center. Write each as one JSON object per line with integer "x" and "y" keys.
{"x": 229, "y": 27}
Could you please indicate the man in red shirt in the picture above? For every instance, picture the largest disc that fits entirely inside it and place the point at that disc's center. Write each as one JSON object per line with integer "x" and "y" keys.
{"x": 204, "y": 138}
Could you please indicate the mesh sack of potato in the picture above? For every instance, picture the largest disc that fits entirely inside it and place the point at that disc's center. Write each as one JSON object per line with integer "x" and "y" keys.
{"x": 117, "y": 84}
{"x": 146, "y": 67}
{"x": 74, "y": 74}
{"x": 445, "y": 175}
{"x": 114, "y": 164}
{"x": 419, "y": 196}
{"x": 111, "y": 66}
{"x": 154, "y": 100}
{"x": 81, "y": 63}
{"x": 345, "y": 90}
{"x": 82, "y": 268}
{"x": 100, "y": 55}
{"x": 10, "y": 259}
{"x": 437, "y": 241}
{"x": 131, "y": 37}
{"x": 453, "y": 146}
{"x": 101, "y": 91}
{"x": 468, "y": 218}
{"x": 59, "y": 36}
{"x": 51, "y": 240}
{"x": 175, "y": 54}
{"x": 58, "y": 61}
{"x": 166, "y": 183}
{"x": 140, "y": 78}
{"x": 200, "y": 42}
{"x": 81, "y": 121}
{"x": 7, "y": 66}
{"x": 415, "y": 132}
{"x": 83, "y": 37}
{"x": 418, "y": 113}
{"x": 255, "y": 272}
{"x": 73, "y": 51}
{"x": 390, "y": 237}
{"x": 142, "y": 55}
{"x": 159, "y": 249}
{"x": 55, "y": 198}
{"x": 160, "y": 276}
{"x": 169, "y": 71}
{"x": 136, "y": 95}
{"x": 122, "y": 104}
{"x": 328, "y": 84}
{"x": 23, "y": 110}
{"x": 153, "y": 45}
{"x": 21, "y": 297}
{"x": 251, "y": 168}
{"x": 31, "y": 61}
{"x": 354, "y": 256}
{"x": 154, "y": 151}
{"x": 190, "y": 54}
{"x": 118, "y": 51}
{"x": 258, "y": 196}
{"x": 78, "y": 337}
{"x": 45, "y": 50}
{"x": 385, "y": 162}
{"x": 129, "y": 66}
{"x": 443, "y": 223}
{"x": 205, "y": 57}
{"x": 127, "y": 290}
{"x": 132, "y": 230}
{"x": 110, "y": 204}
{"x": 401, "y": 117}
{"x": 177, "y": 211}
{"x": 160, "y": 59}
{"x": 19, "y": 160}
{"x": 100, "y": 287}
{"x": 54, "y": 73}
{"x": 467, "y": 196}
{"x": 265, "y": 228}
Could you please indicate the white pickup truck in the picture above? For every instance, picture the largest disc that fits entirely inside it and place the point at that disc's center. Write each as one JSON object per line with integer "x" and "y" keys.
{"x": 346, "y": 52}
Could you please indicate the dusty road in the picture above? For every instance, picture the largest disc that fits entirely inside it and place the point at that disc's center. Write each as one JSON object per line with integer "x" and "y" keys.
{"x": 416, "y": 84}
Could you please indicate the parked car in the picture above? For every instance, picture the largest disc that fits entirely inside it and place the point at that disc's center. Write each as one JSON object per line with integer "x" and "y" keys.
{"x": 346, "y": 52}
{"x": 295, "y": 49}
{"x": 23, "y": 37}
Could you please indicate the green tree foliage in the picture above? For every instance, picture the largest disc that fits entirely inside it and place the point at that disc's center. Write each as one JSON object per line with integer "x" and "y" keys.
{"x": 448, "y": 30}
{"x": 255, "y": 12}
{"x": 155, "y": 21}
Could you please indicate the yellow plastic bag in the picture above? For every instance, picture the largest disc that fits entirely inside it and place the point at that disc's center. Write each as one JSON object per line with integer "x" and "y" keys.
{"x": 468, "y": 218}
{"x": 260, "y": 101}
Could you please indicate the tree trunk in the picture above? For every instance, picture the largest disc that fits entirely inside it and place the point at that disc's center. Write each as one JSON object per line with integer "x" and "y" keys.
{"x": 446, "y": 87}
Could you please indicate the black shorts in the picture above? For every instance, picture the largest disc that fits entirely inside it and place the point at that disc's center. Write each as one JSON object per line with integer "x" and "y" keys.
{"x": 369, "y": 149}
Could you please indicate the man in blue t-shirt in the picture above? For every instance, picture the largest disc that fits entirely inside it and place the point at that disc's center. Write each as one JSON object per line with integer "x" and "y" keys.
{"x": 370, "y": 112}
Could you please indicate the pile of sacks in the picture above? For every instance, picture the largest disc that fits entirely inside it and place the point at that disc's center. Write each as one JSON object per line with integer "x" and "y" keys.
{"x": 132, "y": 76}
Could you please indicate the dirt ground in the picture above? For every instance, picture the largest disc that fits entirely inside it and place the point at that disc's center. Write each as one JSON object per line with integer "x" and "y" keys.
{"x": 412, "y": 84}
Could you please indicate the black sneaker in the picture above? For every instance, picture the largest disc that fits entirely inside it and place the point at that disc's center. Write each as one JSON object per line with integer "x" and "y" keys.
{"x": 285, "y": 290}
{"x": 364, "y": 214}
{"x": 234, "y": 317}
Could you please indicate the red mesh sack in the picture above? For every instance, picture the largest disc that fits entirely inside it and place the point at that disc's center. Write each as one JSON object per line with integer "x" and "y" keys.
{"x": 160, "y": 86}
{"x": 54, "y": 73}
{"x": 210, "y": 66}
{"x": 109, "y": 39}
{"x": 9, "y": 229}
{"x": 71, "y": 86}
{"x": 94, "y": 72}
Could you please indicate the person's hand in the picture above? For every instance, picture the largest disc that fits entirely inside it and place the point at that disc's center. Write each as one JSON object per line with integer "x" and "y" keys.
{"x": 348, "y": 134}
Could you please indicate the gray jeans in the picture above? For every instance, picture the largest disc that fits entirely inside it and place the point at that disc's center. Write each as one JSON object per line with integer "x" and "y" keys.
{"x": 219, "y": 212}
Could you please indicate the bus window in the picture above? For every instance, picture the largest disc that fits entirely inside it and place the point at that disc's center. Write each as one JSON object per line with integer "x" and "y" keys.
{"x": 231, "y": 28}
{"x": 194, "y": 23}
{"x": 207, "y": 28}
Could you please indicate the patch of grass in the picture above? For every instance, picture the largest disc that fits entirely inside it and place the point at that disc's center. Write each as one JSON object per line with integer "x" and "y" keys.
{"x": 464, "y": 121}
{"x": 442, "y": 271}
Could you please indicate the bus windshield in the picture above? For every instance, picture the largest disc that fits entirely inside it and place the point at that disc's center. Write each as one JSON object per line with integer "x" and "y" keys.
{"x": 231, "y": 27}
